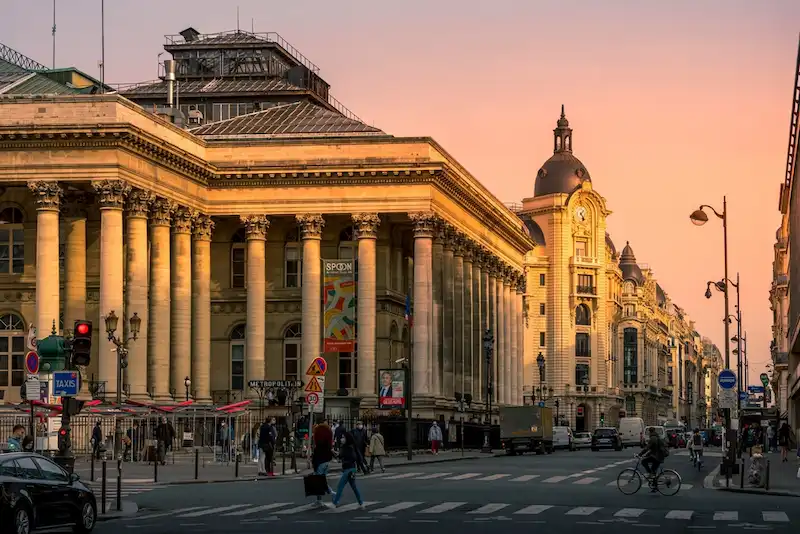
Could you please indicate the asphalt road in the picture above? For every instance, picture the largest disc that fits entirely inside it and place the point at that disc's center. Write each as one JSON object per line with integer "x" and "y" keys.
{"x": 570, "y": 491}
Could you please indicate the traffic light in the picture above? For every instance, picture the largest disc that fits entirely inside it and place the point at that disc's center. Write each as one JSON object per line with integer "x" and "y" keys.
{"x": 52, "y": 353}
{"x": 63, "y": 440}
{"x": 82, "y": 343}
{"x": 602, "y": 419}
{"x": 123, "y": 357}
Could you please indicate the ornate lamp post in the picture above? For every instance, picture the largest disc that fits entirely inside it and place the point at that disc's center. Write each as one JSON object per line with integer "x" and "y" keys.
{"x": 134, "y": 325}
{"x": 188, "y": 383}
{"x": 488, "y": 350}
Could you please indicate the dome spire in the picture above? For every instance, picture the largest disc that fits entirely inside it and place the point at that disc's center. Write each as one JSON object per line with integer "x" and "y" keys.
{"x": 562, "y": 135}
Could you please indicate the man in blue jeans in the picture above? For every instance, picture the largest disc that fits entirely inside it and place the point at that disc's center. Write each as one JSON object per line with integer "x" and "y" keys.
{"x": 349, "y": 457}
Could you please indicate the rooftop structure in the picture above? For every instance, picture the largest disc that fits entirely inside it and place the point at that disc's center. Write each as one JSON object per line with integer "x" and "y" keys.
{"x": 21, "y": 75}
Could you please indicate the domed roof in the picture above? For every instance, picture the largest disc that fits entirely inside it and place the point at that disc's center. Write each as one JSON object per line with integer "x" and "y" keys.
{"x": 661, "y": 297}
{"x": 563, "y": 172}
{"x": 627, "y": 264}
{"x": 535, "y": 231}
{"x": 610, "y": 244}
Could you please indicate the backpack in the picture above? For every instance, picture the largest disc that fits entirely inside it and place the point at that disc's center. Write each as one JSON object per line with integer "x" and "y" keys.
{"x": 697, "y": 440}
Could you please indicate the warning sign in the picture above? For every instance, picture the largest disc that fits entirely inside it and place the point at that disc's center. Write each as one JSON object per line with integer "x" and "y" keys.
{"x": 313, "y": 385}
{"x": 317, "y": 368}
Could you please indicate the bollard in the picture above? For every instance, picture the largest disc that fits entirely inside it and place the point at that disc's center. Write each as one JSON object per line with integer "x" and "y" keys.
{"x": 119, "y": 485}
{"x": 236, "y": 466}
{"x": 155, "y": 468}
{"x": 103, "y": 487}
{"x": 196, "y": 463}
{"x": 766, "y": 479}
{"x": 92, "y": 467}
{"x": 283, "y": 458}
{"x": 741, "y": 475}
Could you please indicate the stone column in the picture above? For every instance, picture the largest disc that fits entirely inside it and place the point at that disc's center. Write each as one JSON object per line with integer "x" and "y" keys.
{"x": 508, "y": 336}
{"x": 201, "y": 308}
{"x": 48, "y": 299}
{"x": 458, "y": 314}
{"x": 513, "y": 320}
{"x": 467, "y": 346}
{"x": 366, "y": 226}
{"x": 256, "y": 227}
{"x": 478, "y": 312}
{"x": 437, "y": 332}
{"x": 158, "y": 338}
{"x": 311, "y": 225}
{"x": 424, "y": 224}
{"x": 180, "y": 339}
{"x": 489, "y": 285}
{"x": 136, "y": 290}
{"x": 520, "y": 300}
{"x": 448, "y": 316}
{"x": 500, "y": 337}
{"x": 111, "y": 197}
{"x": 74, "y": 219}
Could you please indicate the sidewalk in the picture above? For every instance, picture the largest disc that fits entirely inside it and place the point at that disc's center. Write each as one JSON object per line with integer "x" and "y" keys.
{"x": 783, "y": 479}
{"x": 183, "y": 472}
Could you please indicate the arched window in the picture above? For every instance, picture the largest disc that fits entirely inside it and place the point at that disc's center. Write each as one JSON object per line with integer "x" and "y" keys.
{"x": 583, "y": 317}
{"x": 12, "y": 350}
{"x": 292, "y": 349}
{"x": 12, "y": 242}
{"x": 237, "y": 349}
{"x": 348, "y": 246}
{"x": 293, "y": 261}
{"x": 238, "y": 260}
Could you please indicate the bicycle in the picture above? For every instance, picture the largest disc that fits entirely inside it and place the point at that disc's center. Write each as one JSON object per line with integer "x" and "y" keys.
{"x": 666, "y": 481}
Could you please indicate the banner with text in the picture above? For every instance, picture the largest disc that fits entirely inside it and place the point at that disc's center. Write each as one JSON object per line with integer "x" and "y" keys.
{"x": 392, "y": 389}
{"x": 340, "y": 305}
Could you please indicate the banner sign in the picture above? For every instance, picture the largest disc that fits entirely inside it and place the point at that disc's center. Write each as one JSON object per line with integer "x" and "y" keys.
{"x": 392, "y": 388}
{"x": 340, "y": 305}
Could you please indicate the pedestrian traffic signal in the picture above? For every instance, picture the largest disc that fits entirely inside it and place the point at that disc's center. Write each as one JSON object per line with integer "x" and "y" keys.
{"x": 63, "y": 440}
{"x": 82, "y": 343}
{"x": 602, "y": 419}
{"x": 52, "y": 353}
{"x": 123, "y": 357}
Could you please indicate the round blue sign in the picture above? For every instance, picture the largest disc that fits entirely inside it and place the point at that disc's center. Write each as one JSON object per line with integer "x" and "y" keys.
{"x": 727, "y": 379}
{"x": 32, "y": 363}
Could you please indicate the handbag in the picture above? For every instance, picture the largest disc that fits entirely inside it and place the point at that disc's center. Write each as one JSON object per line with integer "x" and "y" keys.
{"x": 315, "y": 485}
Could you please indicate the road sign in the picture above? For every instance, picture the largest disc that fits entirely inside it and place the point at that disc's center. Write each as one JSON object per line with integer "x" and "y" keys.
{"x": 743, "y": 395}
{"x": 318, "y": 367}
{"x": 30, "y": 342}
{"x": 541, "y": 404}
{"x": 313, "y": 385}
{"x": 727, "y": 379}
{"x": 764, "y": 379}
{"x": 66, "y": 383}
{"x": 286, "y": 384}
{"x": 755, "y": 389}
{"x": 312, "y": 398}
{"x": 32, "y": 363}
{"x": 727, "y": 398}
{"x": 33, "y": 389}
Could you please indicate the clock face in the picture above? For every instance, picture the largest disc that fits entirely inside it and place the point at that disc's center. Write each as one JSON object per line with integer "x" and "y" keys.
{"x": 580, "y": 213}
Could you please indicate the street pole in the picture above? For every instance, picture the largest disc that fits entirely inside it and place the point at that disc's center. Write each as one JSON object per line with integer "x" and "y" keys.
{"x": 409, "y": 398}
{"x": 741, "y": 383}
{"x": 488, "y": 347}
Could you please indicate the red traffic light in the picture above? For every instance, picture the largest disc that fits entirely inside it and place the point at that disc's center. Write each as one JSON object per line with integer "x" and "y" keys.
{"x": 82, "y": 329}
{"x": 63, "y": 431}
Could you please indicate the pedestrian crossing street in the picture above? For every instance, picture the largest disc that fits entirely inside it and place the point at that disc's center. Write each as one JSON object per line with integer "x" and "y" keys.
{"x": 373, "y": 510}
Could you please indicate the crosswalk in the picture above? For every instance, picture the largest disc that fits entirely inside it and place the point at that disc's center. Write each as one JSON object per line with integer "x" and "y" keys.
{"x": 127, "y": 490}
{"x": 249, "y": 513}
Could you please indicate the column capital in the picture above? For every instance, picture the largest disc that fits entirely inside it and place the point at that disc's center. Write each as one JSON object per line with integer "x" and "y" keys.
{"x": 47, "y": 194}
{"x": 459, "y": 243}
{"x": 521, "y": 283}
{"x": 74, "y": 204}
{"x": 450, "y": 234}
{"x": 182, "y": 220}
{"x": 507, "y": 274}
{"x": 203, "y": 227}
{"x": 111, "y": 193}
{"x": 311, "y": 225}
{"x": 440, "y": 231}
{"x": 366, "y": 225}
{"x": 480, "y": 256}
{"x": 255, "y": 226}
{"x": 424, "y": 223}
{"x": 139, "y": 203}
{"x": 161, "y": 211}
{"x": 468, "y": 250}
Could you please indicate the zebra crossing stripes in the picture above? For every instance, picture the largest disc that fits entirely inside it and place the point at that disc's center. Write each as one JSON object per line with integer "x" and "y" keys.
{"x": 489, "y": 508}
{"x": 679, "y": 514}
{"x": 534, "y": 509}
{"x": 444, "y": 507}
{"x": 775, "y": 517}
{"x": 583, "y": 510}
{"x": 464, "y": 476}
{"x": 395, "y": 507}
{"x": 402, "y": 475}
{"x": 553, "y": 480}
{"x": 257, "y": 509}
{"x": 349, "y": 507}
{"x": 587, "y": 480}
{"x": 201, "y": 513}
{"x": 524, "y": 478}
{"x": 431, "y": 476}
{"x": 630, "y": 512}
{"x": 495, "y": 477}
{"x": 726, "y": 516}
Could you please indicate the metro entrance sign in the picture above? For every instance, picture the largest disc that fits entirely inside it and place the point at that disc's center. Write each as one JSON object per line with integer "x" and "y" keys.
{"x": 727, "y": 379}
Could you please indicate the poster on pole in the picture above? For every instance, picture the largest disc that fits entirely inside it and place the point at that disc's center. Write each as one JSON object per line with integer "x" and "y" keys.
{"x": 340, "y": 305}
{"x": 392, "y": 389}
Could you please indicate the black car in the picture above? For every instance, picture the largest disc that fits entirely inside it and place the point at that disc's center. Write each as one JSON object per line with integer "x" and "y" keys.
{"x": 37, "y": 493}
{"x": 606, "y": 438}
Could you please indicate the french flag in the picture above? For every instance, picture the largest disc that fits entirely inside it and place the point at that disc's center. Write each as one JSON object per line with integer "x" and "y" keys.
{"x": 409, "y": 318}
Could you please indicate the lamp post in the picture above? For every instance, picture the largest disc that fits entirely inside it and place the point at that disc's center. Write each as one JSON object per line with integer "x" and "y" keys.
{"x": 488, "y": 350}
{"x": 134, "y": 324}
{"x": 722, "y": 286}
{"x": 187, "y": 382}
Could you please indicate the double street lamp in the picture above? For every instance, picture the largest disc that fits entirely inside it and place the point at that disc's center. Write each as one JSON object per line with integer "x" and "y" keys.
{"x": 488, "y": 351}
{"x": 134, "y": 325}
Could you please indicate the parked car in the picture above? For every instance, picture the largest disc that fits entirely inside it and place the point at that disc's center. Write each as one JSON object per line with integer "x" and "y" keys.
{"x": 582, "y": 440}
{"x": 606, "y": 438}
{"x": 36, "y": 493}
{"x": 562, "y": 438}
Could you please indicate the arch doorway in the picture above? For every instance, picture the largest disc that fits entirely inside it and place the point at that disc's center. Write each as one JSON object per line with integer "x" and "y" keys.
{"x": 583, "y": 418}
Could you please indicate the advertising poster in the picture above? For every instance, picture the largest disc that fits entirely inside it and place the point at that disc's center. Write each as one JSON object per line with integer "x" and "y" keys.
{"x": 340, "y": 305}
{"x": 392, "y": 388}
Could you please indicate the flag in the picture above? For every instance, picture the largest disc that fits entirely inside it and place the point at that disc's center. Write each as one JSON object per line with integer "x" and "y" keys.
{"x": 409, "y": 318}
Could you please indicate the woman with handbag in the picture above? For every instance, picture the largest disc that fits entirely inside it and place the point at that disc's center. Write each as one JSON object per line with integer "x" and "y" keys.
{"x": 349, "y": 455}
{"x": 322, "y": 454}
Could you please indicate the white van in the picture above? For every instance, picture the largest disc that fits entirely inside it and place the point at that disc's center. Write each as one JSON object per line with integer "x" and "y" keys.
{"x": 631, "y": 430}
{"x": 562, "y": 438}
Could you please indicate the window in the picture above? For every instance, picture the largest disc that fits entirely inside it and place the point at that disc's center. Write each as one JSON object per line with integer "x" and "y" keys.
{"x": 221, "y": 112}
{"x": 630, "y": 355}
{"x": 237, "y": 348}
{"x": 51, "y": 471}
{"x": 12, "y": 350}
{"x": 348, "y": 376}
{"x": 12, "y": 242}
{"x": 630, "y": 310}
{"x": 630, "y": 406}
{"x": 586, "y": 283}
{"x": 581, "y": 374}
{"x": 583, "y": 316}
{"x": 292, "y": 349}
{"x": 238, "y": 260}
{"x": 583, "y": 346}
{"x": 669, "y": 376}
{"x": 580, "y": 249}
{"x": 542, "y": 339}
{"x": 293, "y": 262}
{"x": 27, "y": 469}
{"x": 541, "y": 308}
{"x": 541, "y": 279}
{"x": 348, "y": 246}
{"x": 8, "y": 469}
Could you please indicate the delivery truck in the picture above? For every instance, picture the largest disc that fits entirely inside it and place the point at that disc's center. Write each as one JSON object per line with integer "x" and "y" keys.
{"x": 526, "y": 428}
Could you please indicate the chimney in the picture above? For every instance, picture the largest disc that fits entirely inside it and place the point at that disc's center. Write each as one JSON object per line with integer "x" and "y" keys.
{"x": 169, "y": 67}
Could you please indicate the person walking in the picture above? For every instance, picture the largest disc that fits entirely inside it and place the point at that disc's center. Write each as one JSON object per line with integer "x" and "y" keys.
{"x": 349, "y": 457}
{"x": 784, "y": 434}
{"x": 266, "y": 446}
{"x": 97, "y": 440}
{"x": 360, "y": 440}
{"x": 377, "y": 449}
{"x": 435, "y": 437}
{"x": 322, "y": 453}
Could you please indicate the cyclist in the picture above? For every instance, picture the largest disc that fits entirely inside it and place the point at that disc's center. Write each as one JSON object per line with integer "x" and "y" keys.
{"x": 697, "y": 447}
{"x": 653, "y": 456}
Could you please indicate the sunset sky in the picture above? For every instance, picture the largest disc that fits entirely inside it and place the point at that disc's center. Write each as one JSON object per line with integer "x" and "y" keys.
{"x": 673, "y": 104}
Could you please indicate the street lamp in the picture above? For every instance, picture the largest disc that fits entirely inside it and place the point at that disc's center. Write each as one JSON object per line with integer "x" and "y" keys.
{"x": 488, "y": 350}
{"x": 187, "y": 382}
{"x": 134, "y": 325}
{"x": 699, "y": 218}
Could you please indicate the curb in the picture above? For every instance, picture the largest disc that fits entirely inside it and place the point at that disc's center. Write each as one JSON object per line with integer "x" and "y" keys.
{"x": 759, "y": 491}
{"x": 708, "y": 482}
{"x": 129, "y": 508}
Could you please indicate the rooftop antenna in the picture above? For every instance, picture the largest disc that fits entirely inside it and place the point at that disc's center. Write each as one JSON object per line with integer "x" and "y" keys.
{"x": 237, "y": 19}
{"x": 54, "y": 34}
{"x": 252, "y": 25}
{"x": 103, "y": 46}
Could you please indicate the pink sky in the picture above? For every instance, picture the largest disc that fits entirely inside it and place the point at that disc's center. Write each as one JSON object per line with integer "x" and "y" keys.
{"x": 673, "y": 104}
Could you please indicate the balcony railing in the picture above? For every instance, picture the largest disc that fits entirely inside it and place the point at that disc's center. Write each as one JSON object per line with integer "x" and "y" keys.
{"x": 586, "y": 290}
